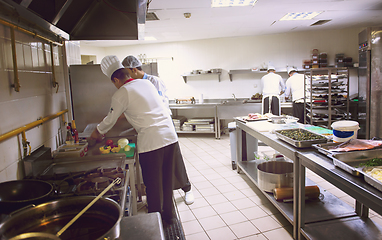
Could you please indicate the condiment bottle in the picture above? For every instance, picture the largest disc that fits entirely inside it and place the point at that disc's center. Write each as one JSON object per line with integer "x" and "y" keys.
{"x": 69, "y": 136}
{"x": 75, "y": 132}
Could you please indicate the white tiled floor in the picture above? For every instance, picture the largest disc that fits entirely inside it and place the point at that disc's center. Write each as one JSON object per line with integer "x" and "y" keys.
{"x": 227, "y": 204}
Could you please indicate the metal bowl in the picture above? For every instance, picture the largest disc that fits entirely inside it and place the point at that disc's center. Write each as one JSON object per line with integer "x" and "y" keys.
{"x": 274, "y": 174}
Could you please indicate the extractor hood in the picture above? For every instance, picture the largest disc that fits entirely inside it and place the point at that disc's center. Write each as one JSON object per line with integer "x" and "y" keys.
{"x": 82, "y": 19}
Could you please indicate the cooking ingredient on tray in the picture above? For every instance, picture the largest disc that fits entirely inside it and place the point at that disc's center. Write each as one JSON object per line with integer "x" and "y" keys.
{"x": 372, "y": 162}
{"x": 116, "y": 148}
{"x": 377, "y": 174}
{"x": 257, "y": 96}
{"x": 123, "y": 142}
{"x": 109, "y": 142}
{"x": 127, "y": 148}
{"x": 105, "y": 149}
{"x": 356, "y": 145}
{"x": 300, "y": 135}
{"x": 254, "y": 116}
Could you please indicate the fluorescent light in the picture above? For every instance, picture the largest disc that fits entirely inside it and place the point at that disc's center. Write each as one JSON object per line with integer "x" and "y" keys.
{"x": 150, "y": 39}
{"x": 232, "y": 3}
{"x": 299, "y": 16}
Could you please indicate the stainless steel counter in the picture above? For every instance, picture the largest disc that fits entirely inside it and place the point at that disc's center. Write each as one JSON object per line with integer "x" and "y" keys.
{"x": 143, "y": 226}
{"x": 226, "y": 109}
{"x": 329, "y": 218}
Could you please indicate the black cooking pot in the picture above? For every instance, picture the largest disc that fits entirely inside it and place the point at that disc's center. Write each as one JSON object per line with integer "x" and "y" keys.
{"x": 20, "y": 193}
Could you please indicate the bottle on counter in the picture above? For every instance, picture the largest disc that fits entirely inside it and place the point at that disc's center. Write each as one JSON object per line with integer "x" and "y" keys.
{"x": 69, "y": 137}
{"x": 75, "y": 132}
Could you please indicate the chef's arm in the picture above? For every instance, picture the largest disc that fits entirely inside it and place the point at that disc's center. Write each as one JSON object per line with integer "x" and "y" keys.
{"x": 109, "y": 121}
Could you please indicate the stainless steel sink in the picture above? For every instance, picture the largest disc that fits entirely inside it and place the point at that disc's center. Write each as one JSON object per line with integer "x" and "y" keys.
{"x": 233, "y": 101}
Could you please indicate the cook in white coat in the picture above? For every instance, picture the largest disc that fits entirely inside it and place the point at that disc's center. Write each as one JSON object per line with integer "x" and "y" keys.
{"x": 295, "y": 87}
{"x": 134, "y": 67}
{"x": 157, "y": 141}
{"x": 273, "y": 86}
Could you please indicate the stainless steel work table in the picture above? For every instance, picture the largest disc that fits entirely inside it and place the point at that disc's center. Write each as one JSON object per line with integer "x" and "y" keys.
{"x": 356, "y": 227}
{"x": 143, "y": 226}
{"x": 313, "y": 218}
{"x": 212, "y": 106}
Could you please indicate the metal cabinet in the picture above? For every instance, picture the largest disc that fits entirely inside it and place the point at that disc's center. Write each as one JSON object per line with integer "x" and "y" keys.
{"x": 327, "y": 95}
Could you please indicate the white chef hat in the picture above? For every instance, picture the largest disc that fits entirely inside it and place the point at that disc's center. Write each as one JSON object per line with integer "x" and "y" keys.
{"x": 290, "y": 69}
{"x": 131, "y": 62}
{"x": 110, "y": 64}
{"x": 270, "y": 67}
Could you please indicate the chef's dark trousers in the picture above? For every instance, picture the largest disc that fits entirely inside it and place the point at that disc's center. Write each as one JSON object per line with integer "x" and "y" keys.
{"x": 274, "y": 105}
{"x": 158, "y": 175}
{"x": 298, "y": 111}
{"x": 181, "y": 179}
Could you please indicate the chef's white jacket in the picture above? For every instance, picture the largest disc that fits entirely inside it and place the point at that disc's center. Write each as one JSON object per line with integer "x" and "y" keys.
{"x": 295, "y": 86}
{"x": 145, "y": 111}
{"x": 272, "y": 84}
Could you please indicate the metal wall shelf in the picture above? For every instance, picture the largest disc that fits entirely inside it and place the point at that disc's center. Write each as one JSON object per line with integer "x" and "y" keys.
{"x": 185, "y": 76}
{"x": 249, "y": 71}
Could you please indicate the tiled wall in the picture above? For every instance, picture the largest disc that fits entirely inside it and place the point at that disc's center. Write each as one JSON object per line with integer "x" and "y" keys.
{"x": 36, "y": 98}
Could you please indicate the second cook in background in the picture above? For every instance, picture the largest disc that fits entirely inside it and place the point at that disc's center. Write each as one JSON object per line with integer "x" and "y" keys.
{"x": 295, "y": 87}
{"x": 273, "y": 86}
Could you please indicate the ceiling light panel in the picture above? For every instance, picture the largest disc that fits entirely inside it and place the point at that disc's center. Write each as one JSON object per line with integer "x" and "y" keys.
{"x": 299, "y": 16}
{"x": 232, "y": 3}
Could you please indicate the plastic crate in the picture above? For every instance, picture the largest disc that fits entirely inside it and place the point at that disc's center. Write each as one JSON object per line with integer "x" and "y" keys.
{"x": 71, "y": 150}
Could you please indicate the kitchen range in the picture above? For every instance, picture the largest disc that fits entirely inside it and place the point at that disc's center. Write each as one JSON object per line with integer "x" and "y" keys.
{"x": 66, "y": 185}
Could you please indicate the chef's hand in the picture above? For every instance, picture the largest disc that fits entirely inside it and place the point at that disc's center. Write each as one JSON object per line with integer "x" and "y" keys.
{"x": 98, "y": 137}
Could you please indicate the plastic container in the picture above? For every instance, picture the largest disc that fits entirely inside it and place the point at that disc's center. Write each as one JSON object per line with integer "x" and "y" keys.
{"x": 345, "y": 130}
{"x": 71, "y": 150}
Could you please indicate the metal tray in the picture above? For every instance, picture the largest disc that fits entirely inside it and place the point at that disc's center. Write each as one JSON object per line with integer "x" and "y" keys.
{"x": 349, "y": 161}
{"x": 373, "y": 182}
{"x": 300, "y": 144}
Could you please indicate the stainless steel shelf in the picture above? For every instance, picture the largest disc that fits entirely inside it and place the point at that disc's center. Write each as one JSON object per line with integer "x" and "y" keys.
{"x": 185, "y": 76}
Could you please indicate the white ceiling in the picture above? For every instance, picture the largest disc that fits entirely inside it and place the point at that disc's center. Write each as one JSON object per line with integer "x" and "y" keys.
{"x": 263, "y": 18}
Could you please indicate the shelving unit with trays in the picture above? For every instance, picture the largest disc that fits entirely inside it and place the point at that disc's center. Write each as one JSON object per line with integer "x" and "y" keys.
{"x": 327, "y": 96}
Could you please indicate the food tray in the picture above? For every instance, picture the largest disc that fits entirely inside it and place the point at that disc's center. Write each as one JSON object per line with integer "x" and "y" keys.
{"x": 349, "y": 161}
{"x": 303, "y": 143}
{"x": 246, "y": 119}
{"x": 373, "y": 181}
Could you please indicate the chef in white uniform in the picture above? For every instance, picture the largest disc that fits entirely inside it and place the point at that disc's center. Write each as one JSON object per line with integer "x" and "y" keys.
{"x": 157, "y": 140}
{"x": 134, "y": 67}
{"x": 273, "y": 86}
{"x": 295, "y": 87}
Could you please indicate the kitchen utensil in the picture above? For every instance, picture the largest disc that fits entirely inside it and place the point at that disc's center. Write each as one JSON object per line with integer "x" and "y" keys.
{"x": 20, "y": 193}
{"x": 274, "y": 174}
{"x": 315, "y": 138}
{"x": 116, "y": 181}
{"x": 101, "y": 221}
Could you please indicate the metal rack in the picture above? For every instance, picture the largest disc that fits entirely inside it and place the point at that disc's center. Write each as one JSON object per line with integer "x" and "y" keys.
{"x": 326, "y": 95}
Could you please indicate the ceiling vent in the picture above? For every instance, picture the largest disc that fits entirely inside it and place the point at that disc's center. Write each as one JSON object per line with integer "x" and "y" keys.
{"x": 151, "y": 16}
{"x": 320, "y": 22}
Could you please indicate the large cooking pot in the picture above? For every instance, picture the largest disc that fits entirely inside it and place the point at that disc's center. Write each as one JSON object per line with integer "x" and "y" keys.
{"x": 100, "y": 221}
{"x": 20, "y": 193}
{"x": 274, "y": 174}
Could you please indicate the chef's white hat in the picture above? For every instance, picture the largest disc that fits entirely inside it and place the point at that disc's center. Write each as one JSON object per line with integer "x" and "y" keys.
{"x": 290, "y": 69}
{"x": 131, "y": 62}
{"x": 110, "y": 64}
{"x": 270, "y": 67}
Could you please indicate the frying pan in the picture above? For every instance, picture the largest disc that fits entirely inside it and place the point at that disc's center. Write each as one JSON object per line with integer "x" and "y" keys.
{"x": 20, "y": 193}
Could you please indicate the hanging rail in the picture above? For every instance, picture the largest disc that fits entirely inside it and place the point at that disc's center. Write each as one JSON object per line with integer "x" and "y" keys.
{"x": 30, "y": 125}
{"x": 28, "y": 32}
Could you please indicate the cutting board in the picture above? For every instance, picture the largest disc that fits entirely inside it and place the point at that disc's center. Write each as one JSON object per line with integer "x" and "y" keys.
{"x": 262, "y": 126}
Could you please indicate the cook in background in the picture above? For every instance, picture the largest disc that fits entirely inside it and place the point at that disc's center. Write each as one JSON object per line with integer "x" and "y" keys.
{"x": 134, "y": 67}
{"x": 295, "y": 87}
{"x": 273, "y": 86}
{"x": 157, "y": 141}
